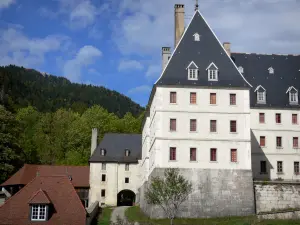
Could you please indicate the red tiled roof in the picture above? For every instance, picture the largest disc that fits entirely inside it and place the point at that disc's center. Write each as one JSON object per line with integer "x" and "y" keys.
{"x": 68, "y": 209}
{"x": 80, "y": 174}
{"x": 40, "y": 197}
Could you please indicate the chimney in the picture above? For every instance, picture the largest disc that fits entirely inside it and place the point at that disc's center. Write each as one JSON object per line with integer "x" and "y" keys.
{"x": 179, "y": 22}
{"x": 94, "y": 140}
{"x": 166, "y": 54}
{"x": 227, "y": 48}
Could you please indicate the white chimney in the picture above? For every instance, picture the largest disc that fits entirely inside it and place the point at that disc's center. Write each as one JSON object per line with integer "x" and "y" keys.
{"x": 166, "y": 54}
{"x": 94, "y": 140}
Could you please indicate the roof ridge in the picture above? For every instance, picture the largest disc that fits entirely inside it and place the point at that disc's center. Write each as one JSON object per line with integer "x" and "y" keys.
{"x": 268, "y": 54}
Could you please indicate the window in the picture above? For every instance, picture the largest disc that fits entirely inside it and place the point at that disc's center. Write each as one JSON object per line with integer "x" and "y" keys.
{"x": 38, "y": 212}
{"x": 212, "y": 70}
{"x": 213, "y": 126}
{"x": 172, "y": 124}
{"x": 233, "y": 155}
{"x": 278, "y": 142}
{"x": 278, "y": 118}
{"x": 213, "y": 154}
{"x": 127, "y": 167}
{"x": 193, "y": 98}
{"x": 271, "y": 70}
{"x": 261, "y": 118}
{"x": 126, "y": 180}
{"x": 173, "y": 97}
{"x": 193, "y": 154}
{"x": 279, "y": 167}
{"x": 172, "y": 153}
{"x": 262, "y": 141}
{"x": 261, "y": 97}
{"x": 241, "y": 69}
{"x": 293, "y": 97}
{"x": 232, "y": 99}
{"x": 103, "y": 166}
{"x": 193, "y": 125}
{"x": 263, "y": 167}
{"x": 232, "y": 126}
{"x": 295, "y": 142}
{"x": 103, "y": 177}
{"x": 213, "y": 98}
{"x": 127, "y": 152}
{"x": 294, "y": 119}
{"x": 296, "y": 167}
{"x": 193, "y": 74}
{"x": 103, "y": 193}
{"x": 103, "y": 152}
{"x": 196, "y": 37}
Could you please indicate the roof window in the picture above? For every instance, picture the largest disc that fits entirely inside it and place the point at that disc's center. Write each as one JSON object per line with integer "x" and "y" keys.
{"x": 196, "y": 37}
{"x": 212, "y": 71}
{"x": 192, "y": 71}
{"x": 261, "y": 94}
{"x": 127, "y": 152}
{"x": 241, "y": 69}
{"x": 103, "y": 151}
{"x": 293, "y": 95}
{"x": 271, "y": 70}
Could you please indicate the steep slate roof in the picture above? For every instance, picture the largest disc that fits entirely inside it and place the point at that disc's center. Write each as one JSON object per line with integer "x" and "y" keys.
{"x": 115, "y": 145}
{"x": 203, "y": 53}
{"x": 286, "y": 74}
{"x": 80, "y": 174}
{"x": 67, "y": 207}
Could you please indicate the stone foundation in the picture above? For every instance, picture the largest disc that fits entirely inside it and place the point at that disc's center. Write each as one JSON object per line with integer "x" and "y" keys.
{"x": 216, "y": 193}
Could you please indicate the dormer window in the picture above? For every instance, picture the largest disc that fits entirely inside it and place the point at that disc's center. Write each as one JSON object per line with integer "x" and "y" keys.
{"x": 192, "y": 71}
{"x": 127, "y": 152}
{"x": 196, "y": 37}
{"x": 39, "y": 212}
{"x": 39, "y": 206}
{"x": 293, "y": 95}
{"x": 261, "y": 94}
{"x": 241, "y": 69}
{"x": 271, "y": 70}
{"x": 212, "y": 70}
{"x": 103, "y": 152}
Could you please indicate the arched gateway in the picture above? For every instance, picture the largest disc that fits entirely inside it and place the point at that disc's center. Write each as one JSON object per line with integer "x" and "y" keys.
{"x": 126, "y": 198}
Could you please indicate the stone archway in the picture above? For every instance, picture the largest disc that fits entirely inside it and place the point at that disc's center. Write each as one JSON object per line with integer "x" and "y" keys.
{"x": 126, "y": 198}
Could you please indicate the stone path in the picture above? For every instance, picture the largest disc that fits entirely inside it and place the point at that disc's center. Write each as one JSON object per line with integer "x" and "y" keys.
{"x": 119, "y": 211}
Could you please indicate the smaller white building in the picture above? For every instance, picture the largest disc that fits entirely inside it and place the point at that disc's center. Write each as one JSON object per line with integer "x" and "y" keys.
{"x": 114, "y": 170}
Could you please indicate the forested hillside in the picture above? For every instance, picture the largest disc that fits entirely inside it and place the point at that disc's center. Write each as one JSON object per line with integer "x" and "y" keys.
{"x": 22, "y": 87}
{"x": 48, "y": 120}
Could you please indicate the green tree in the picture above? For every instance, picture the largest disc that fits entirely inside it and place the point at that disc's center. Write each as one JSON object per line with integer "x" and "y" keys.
{"x": 10, "y": 152}
{"x": 169, "y": 192}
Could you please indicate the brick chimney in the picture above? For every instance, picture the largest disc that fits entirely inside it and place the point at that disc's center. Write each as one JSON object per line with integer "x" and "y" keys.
{"x": 166, "y": 54}
{"x": 94, "y": 140}
{"x": 227, "y": 47}
{"x": 179, "y": 22}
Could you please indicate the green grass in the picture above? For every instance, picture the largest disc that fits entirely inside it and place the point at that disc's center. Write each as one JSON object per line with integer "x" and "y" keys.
{"x": 104, "y": 217}
{"x": 134, "y": 214}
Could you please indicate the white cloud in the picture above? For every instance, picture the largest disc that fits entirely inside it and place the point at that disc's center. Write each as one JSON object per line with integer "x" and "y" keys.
{"x": 6, "y": 3}
{"x": 94, "y": 72}
{"x": 16, "y": 48}
{"x": 130, "y": 65}
{"x": 153, "y": 71}
{"x": 85, "y": 56}
{"x": 140, "y": 89}
{"x": 83, "y": 14}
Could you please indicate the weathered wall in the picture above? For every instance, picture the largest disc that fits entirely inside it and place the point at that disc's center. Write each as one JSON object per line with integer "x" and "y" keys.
{"x": 216, "y": 193}
{"x": 275, "y": 196}
{"x": 280, "y": 215}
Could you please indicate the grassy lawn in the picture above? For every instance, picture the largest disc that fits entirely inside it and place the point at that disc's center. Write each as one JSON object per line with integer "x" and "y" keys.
{"x": 134, "y": 214}
{"x": 104, "y": 217}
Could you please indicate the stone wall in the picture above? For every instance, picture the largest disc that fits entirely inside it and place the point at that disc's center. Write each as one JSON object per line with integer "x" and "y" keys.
{"x": 294, "y": 215}
{"x": 276, "y": 196}
{"x": 216, "y": 193}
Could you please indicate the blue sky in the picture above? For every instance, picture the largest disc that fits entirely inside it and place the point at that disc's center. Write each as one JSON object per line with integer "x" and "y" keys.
{"x": 117, "y": 43}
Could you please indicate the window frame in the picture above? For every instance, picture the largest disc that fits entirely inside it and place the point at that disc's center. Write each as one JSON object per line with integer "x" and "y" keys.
{"x": 296, "y": 167}
{"x": 295, "y": 142}
{"x": 126, "y": 166}
{"x": 213, "y": 124}
{"x": 212, "y": 155}
{"x": 211, "y": 95}
{"x": 173, "y": 97}
{"x": 232, "y": 159}
{"x": 261, "y": 117}
{"x": 279, "y": 166}
{"x": 278, "y": 141}
{"x": 172, "y": 154}
{"x": 231, "y": 126}
{"x": 232, "y": 101}
{"x": 294, "y": 121}
{"x": 193, "y": 98}
{"x": 261, "y": 97}
{"x": 264, "y": 141}
{"x": 173, "y": 122}
{"x": 193, "y": 157}
{"x": 103, "y": 193}
{"x": 39, "y": 206}
{"x": 103, "y": 176}
{"x": 126, "y": 180}
{"x": 193, "y": 74}
{"x": 193, "y": 124}
{"x": 278, "y": 118}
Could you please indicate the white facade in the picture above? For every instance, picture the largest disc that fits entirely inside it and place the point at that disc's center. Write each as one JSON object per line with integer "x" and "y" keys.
{"x": 115, "y": 182}
{"x": 270, "y": 152}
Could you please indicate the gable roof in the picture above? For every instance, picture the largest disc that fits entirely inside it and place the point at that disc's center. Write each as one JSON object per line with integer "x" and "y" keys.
{"x": 67, "y": 207}
{"x": 80, "y": 174}
{"x": 115, "y": 145}
{"x": 203, "y": 52}
{"x": 40, "y": 197}
{"x": 286, "y": 74}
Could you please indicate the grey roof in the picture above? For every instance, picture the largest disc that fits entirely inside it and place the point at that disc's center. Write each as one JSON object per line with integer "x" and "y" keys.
{"x": 286, "y": 74}
{"x": 203, "y": 53}
{"x": 115, "y": 146}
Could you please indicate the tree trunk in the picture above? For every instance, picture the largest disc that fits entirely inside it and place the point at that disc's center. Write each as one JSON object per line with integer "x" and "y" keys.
{"x": 171, "y": 221}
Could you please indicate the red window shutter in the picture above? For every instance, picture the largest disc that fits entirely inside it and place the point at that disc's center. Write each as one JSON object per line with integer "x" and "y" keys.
{"x": 213, "y": 126}
{"x": 233, "y": 126}
{"x": 262, "y": 141}
{"x": 233, "y": 155}
{"x": 213, "y": 98}
{"x": 192, "y": 154}
{"x": 295, "y": 142}
{"x": 172, "y": 153}
{"x": 213, "y": 154}
{"x": 278, "y": 118}
{"x": 295, "y": 119}
{"x": 261, "y": 118}
{"x": 193, "y": 98}
{"x": 193, "y": 125}
{"x": 278, "y": 141}
{"x": 172, "y": 124}
{"x": 232, "y": 99}
{"x": 173, "y": 97}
